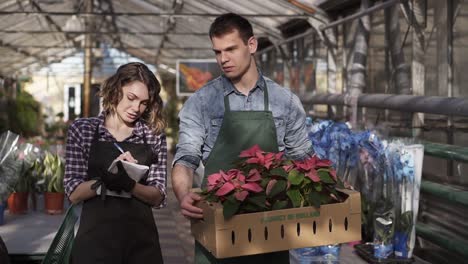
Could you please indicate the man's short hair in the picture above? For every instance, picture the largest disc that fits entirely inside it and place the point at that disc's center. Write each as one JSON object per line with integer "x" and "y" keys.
{"x": 229, "y": 22}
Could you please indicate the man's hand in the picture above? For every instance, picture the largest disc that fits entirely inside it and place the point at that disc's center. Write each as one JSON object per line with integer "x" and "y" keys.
{"x": 119, "y": 181}
{"x": 187, "y": 206}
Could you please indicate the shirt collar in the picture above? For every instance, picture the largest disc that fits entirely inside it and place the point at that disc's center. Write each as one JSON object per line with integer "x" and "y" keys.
{"x": 229, "y": 86}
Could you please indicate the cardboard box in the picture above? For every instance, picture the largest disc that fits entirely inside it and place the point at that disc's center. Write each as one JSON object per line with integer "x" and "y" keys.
{"x": 255, "y": 233}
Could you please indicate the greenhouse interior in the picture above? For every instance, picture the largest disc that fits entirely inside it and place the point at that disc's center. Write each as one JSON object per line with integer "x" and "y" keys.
{"x": 380, "y": 102}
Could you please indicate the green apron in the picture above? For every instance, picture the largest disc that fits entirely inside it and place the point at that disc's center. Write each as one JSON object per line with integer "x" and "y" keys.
{"x": 241, "y": 130}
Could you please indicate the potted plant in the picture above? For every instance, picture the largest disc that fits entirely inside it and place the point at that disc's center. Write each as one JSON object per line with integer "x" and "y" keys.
{"x": 267, "y": 203}
{"x": 18, "y": 199}
{"x": 54, "y": 170}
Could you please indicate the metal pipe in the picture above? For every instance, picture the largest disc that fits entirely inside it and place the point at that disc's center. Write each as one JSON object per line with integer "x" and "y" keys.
{"x": 406, "y": 103}
{"x": 175, "y": 15}
{"x": 450, "y": 243}
{"x": 360, "y": 14}
{"x": 91, "y": 32}
{"x": 88, "y": 70}
{"x": 450, "y": 131}
{"x": 444, "y": 151}
{"x": 446, "y": 192}
{"x": 116, "y": 47}
{"x": 306, "y": 33}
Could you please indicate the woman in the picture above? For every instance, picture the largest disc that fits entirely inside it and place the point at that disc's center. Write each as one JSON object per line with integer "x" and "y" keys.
{"x": 116, "y": 229}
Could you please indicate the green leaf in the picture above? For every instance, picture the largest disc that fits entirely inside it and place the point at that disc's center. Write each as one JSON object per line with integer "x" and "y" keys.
{"x": 340, "y": 184}
{"x": 406, "y": 222}
{"x": 325, "y": 176}
{"x": 318, "y": 187}
{"x": 279, "y": 172}
{"x": 279, "y": 187}
{"x": 314, "y": 199}
{"x": 250, "y": 208}
{"x": 295, "y": 177}
{"x": 258, "y": 200}
{"x": 295, "y": 197}
{"x": 230, "y": 208}
{"x": 278, "y": 205}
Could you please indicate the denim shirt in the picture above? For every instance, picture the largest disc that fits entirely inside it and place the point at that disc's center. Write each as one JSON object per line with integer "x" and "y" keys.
{"x": 202, "y": 115}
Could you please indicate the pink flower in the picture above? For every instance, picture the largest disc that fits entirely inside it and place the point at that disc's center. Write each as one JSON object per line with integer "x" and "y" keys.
{"x": 252, "y": 186}
{"x": 270, "y": 186}
{"x": 251, "y": 152}
{"x": 333, "y": 174}
{"x": 254, "y": 175}
{"x": 240, "y": 196}
{"x": 225, "y": 189}
{"x": 313, "y": 175}
{"x": 324, "y": 163}
{"x": 279, "y": 156}
{"x": 289, "y": 167}
{"x": 263, "y": 160}
{"x": 215, "y": 180}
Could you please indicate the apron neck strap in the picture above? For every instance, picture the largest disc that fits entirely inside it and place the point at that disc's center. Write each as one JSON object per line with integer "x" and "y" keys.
{"x": 96, "y": 134}
{"x": 265, "y": 99}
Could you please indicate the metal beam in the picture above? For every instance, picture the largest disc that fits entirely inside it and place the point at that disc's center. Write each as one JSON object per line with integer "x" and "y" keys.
{"x": 112, "y": 46}
{"x": 102, "y": 32}
{"x": 53, "y": 24}
{"x": 11, "y": 68}
{"x": 177, "y": 15}
{"x": 23, "y": 52}
{"x": 170, "y": 26}
{"x": 361, "y": 14}
{"x": 407, "y": 103}
{"x": 435, "y": 236}
{"x": 268, "y": 30}
{"x": 113, "y": 23}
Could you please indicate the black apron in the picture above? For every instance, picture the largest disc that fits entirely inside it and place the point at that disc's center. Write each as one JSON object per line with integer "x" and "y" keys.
{"x": 239, "y": 131}
{"x": 116, "y": 230}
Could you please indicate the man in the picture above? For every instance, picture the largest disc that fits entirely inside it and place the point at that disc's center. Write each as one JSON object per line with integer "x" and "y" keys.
{"x": 237, "y": 110}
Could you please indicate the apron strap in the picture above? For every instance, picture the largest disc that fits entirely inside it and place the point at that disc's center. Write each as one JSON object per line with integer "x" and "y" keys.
{"x": 227, "y": 107}
{"x": 96, "y": 134}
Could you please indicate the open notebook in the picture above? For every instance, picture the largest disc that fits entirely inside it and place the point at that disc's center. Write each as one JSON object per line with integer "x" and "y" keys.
{"x": 135, "y": 171}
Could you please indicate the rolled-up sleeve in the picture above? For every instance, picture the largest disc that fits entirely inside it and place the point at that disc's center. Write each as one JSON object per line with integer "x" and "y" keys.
{"x": 75, "y": 160}
{"x": 157, "y": 175}
{"x": 297, "y": 145}
{"x": 191, "y": 133}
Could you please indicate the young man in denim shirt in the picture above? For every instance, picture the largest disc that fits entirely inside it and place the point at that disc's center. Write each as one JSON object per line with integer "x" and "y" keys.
{"x": 231, "y": 113}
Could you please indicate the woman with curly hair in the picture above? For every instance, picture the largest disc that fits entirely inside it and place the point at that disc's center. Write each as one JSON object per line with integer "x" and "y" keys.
{"x": 116, "y": 228}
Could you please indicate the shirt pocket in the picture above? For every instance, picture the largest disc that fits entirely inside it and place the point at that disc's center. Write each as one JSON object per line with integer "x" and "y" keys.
{"x": 280, "y": 129}
{"x": 215, "y": 126}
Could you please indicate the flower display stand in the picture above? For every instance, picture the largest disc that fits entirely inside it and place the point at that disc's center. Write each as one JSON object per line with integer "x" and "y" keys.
{"x": 262, "y": 232}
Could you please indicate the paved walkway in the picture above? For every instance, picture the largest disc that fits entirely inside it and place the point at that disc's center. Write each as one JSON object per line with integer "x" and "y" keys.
{"x": 174, "y": 232}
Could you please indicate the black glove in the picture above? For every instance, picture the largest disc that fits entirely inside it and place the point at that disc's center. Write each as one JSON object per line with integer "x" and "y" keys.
{"x": 119, "y": 181}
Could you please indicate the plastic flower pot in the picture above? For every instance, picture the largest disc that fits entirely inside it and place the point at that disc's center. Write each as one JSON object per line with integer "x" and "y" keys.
{"x": 53, "y": 202}
{"x": 18, "y": 202}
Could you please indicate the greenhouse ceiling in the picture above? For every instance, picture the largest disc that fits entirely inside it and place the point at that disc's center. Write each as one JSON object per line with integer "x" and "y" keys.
{"x": 36, "y": 33}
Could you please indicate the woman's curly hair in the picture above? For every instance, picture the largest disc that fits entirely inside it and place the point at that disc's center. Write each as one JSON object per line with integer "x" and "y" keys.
{"x": 111, "y": 93}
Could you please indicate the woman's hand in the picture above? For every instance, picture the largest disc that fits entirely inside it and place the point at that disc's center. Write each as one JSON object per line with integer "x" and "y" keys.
{"x": 119, "y": 181}
{"x": 127, "y": 156}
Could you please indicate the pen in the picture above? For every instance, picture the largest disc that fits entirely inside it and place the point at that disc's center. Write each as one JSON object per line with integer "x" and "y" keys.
{"x": 119, "y": 148}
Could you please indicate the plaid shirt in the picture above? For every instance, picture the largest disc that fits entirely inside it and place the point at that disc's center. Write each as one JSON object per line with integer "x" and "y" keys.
{"x": 80, "y": 135}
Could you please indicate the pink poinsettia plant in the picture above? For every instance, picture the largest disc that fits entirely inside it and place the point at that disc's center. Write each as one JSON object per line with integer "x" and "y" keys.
{"x": 263, "y": 181}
